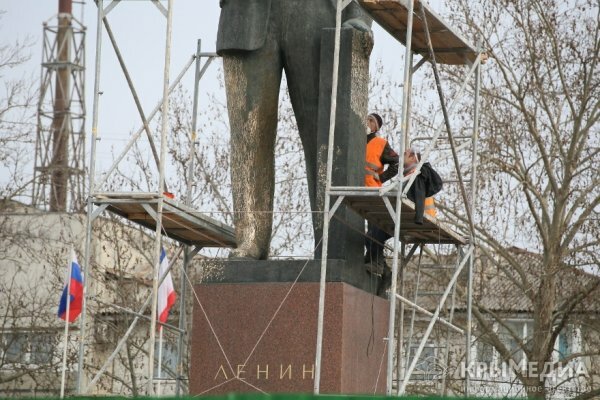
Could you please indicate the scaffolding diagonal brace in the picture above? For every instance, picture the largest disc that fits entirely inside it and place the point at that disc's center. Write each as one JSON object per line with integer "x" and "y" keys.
{"x": 389, "y": 207}
{"x": 335, "y": 206}
{"x": 110, "y": 7}
{"x": 438, "y": 130}
{"x": 149, "y": 210}
{"x": 430, "y": 314}
{"x": 410, "y": 254}
{"x": 98, "y": 211}
{"x": 160, "y": 7}
{"x": 418, "y": 65}
{"x": 435, "y": 316}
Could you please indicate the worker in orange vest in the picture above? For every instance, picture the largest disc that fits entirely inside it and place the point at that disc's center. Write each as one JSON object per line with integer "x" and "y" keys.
{"x": 378, "y": 155}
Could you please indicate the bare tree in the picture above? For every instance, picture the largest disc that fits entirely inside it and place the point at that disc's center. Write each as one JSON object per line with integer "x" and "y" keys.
{"x": 35, "y": 253}
{"x": 17, "y": 117}
{"x": 540, "y": 161}
{"x": 34, "y": 256}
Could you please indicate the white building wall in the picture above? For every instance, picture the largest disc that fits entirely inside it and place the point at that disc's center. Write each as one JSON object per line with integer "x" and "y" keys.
{"x": 35, "y": 250}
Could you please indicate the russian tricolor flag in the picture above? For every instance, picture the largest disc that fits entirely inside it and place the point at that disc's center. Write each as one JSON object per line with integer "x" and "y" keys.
{"x": 166, "y": 291}
{"x": 75, "y": 287}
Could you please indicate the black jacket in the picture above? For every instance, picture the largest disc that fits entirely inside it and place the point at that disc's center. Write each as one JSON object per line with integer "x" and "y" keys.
{"x": 389, "y": 157}
{"x": 426, "y": 184}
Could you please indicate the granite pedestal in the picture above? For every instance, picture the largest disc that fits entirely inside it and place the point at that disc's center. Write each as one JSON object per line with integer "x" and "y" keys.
{"x": 255, "y": 325}
{"x": 251, "y": 336}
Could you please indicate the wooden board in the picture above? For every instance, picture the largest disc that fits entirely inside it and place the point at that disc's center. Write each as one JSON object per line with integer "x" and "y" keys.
{"x": 180, "y": 222}
{"x": 433, "y": 231}
{"x": 449, "y": 46}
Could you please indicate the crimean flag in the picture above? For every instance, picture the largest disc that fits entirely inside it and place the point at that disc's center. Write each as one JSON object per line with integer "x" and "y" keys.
{"x": 76, "y": 293}
{"x": 166, "y": 291}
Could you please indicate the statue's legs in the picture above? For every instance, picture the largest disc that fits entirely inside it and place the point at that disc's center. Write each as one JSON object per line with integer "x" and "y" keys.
{"x": 252, "y": 81}
{"x": 301, "y": 48}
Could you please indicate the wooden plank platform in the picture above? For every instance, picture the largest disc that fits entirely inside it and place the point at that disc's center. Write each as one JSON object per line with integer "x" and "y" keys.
{"x": 433, "y": 231}
{"x": 180, "y": 222}
{"x": 449, "y": 46}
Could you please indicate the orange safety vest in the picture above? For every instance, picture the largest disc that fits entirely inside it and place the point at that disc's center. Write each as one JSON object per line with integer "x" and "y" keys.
{"x": 374, "y": 167}
{"x": 430, "y": 207}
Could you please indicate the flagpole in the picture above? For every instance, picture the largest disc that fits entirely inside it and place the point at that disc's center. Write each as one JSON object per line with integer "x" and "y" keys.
{"x": 64, "y": 360}
{"x": 160, "y": 346}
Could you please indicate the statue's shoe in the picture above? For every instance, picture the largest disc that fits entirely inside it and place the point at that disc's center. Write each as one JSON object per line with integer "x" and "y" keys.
{"x": 244, "y": 254}
{"x": 241, "y": 258}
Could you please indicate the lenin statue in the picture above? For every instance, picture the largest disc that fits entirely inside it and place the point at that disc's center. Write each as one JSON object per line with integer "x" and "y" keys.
{"x": 258, "y": 40}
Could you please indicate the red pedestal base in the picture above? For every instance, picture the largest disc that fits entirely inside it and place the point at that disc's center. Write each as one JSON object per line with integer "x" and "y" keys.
{"x": 246, "y": 338}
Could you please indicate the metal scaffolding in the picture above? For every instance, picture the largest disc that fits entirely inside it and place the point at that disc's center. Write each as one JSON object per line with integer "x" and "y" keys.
{"x": 153, "y": 210}
{"x": 424, "y": 33}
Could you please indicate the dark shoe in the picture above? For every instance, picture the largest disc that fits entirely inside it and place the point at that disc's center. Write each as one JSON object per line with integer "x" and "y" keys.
{"x": 374, "y": 268}
{"x": 374, "y": 265}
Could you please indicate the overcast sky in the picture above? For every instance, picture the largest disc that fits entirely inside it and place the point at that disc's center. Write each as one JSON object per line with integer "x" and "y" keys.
{"x": 139, "y": 28}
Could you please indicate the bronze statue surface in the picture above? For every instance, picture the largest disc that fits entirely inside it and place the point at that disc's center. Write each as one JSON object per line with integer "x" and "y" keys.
{"x": 258, "y": 40}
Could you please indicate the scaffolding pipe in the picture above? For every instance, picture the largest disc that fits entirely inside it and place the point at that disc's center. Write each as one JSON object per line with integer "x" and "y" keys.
{"x": 447, "y": 348}
{"x": 137, "y": 314}
{"x": 326, "y": 214}
{"x": 409, "y": 105}
{"x": 414, "y": 306}
{"x": 399, "y": 364}
{"x": 472, "y": 232}
{"x": 182, "y": 320}
{"x": 194, "y": 127}
{"x": 405, "y": 122}
{"x": 90, "y": 204}
{"x": 161, "y": 188}
{"x": 422, "y": 310}
{"x": 188, "y": 202}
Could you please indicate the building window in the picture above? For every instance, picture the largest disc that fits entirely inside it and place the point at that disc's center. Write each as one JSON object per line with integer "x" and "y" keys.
{"x": 28, "y": 347}
{"x": 564, "y": 344}
{"x": 523, "y": 330}
{"x": 42, "y": 347}
{"x": 485, "y": 352}
{"x": 427, "y": 368}
{"x": 15, "y": 348}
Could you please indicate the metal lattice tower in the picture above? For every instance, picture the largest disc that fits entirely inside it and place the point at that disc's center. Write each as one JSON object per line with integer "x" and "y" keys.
{"x": 59, "y": 171}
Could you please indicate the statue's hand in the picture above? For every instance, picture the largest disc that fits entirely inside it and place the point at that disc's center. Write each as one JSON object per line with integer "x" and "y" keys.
{"x": 357, "y": 24}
